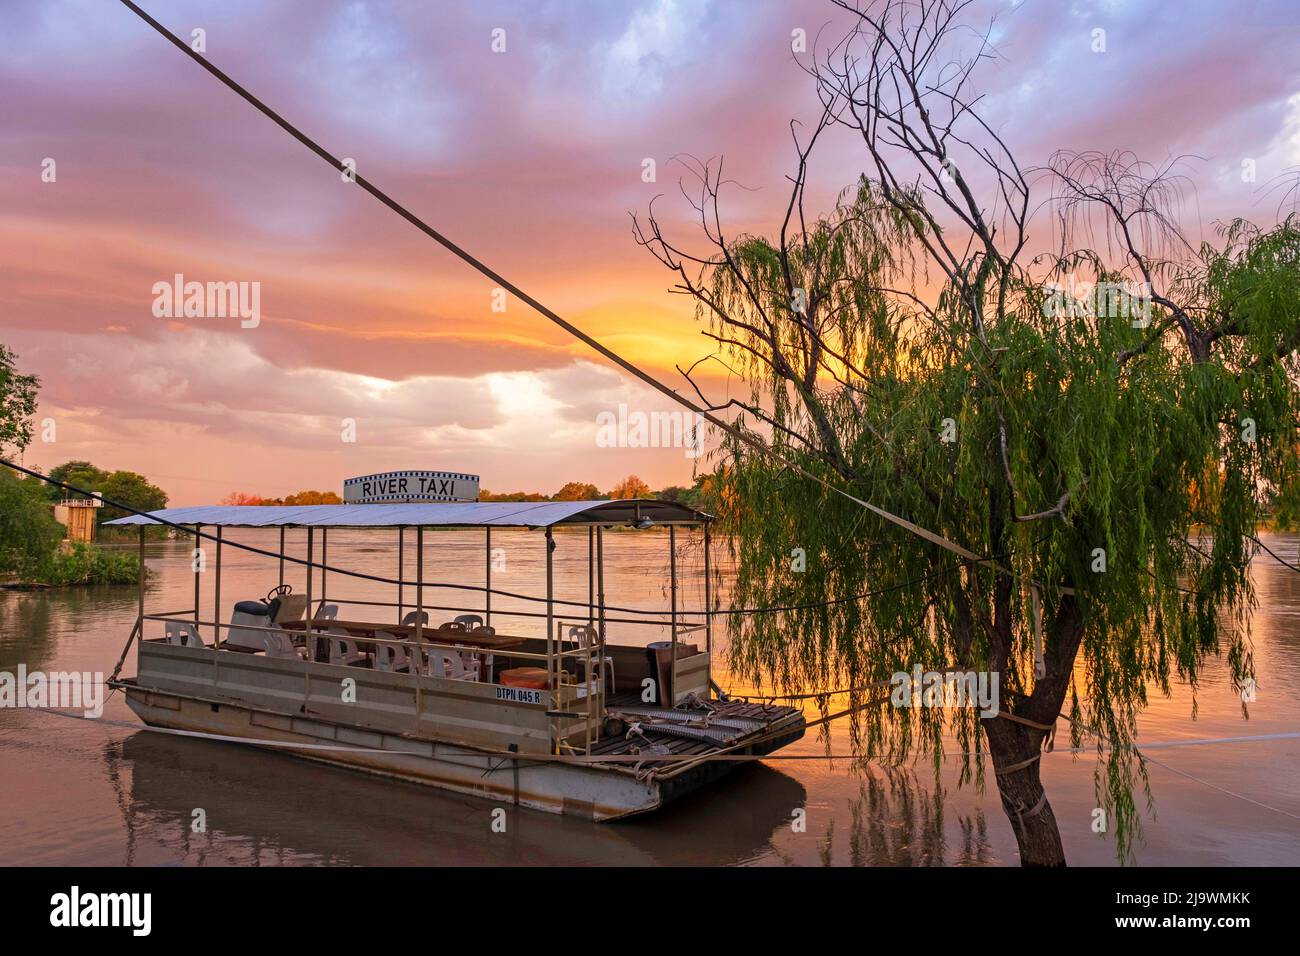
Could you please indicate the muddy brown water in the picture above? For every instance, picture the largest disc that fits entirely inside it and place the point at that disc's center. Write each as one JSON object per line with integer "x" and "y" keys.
{"x": 94, "y": 793}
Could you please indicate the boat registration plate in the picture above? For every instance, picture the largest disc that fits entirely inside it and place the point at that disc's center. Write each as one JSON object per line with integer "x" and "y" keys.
{"x": 519, "y": 695}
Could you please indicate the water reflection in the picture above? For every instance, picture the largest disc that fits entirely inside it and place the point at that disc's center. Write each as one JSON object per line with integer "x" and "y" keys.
{"x": 896, "y": 820}
{"x": 268, "y": 809}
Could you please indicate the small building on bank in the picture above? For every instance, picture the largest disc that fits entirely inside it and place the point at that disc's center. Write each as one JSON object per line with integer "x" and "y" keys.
{"x": 78, "y": 516}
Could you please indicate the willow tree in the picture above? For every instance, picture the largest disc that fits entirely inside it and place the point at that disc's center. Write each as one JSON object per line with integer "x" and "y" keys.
{"x": 1066, "y": 453}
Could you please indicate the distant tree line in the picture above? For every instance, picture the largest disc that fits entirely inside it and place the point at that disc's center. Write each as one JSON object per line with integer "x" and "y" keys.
{"x": 300, "y": 498}
{"x": 702, "y": 495}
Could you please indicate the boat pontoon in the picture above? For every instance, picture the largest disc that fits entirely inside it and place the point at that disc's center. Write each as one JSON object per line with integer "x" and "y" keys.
{"x": 568, "y": 722}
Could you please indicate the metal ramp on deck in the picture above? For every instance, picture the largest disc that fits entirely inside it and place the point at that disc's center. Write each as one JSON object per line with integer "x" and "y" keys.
{"x": 718, "y": 723}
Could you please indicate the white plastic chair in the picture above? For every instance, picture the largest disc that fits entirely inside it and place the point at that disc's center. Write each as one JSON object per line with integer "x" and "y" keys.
{"x": 446, "y": 663}
{"x": 328, "y": 612}
{"x": 246, "y": 637}
{"x": 388, "y": 657}
{"x": 182, "y": 634}
{"x": 586, "y": 638}
{"x": 343, "y": 648}
{"x": 472, "y": 658}
{"x": 411, "y": 616}
{"x": 278, "y": 644}
{"x": 470, "y": 621}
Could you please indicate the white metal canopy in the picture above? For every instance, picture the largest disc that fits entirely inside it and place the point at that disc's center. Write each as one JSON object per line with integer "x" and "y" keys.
{"x": 479, "y": 514}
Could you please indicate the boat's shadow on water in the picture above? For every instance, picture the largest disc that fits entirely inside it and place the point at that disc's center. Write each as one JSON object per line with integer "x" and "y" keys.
{"x": 265, "y": 809}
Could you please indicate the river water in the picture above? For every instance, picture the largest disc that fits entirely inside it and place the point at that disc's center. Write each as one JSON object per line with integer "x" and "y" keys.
{"x": 79, "y": 792}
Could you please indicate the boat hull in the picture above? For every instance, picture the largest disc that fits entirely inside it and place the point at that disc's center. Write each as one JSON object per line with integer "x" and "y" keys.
{"x": 591, "y": 792}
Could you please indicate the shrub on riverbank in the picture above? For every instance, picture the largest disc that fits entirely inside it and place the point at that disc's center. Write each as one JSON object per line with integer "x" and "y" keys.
{"x": 87, "y": 564}
{"x": 29, "y": 535}
{"x": 31, "y": 551}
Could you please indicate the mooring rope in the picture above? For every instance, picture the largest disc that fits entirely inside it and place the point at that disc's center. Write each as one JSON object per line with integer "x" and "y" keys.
{"x": 1224, "y": 790}
{"x": 196, "y": 532}
{"x": 747, "y": 438}
{"x": 632, "y": 758}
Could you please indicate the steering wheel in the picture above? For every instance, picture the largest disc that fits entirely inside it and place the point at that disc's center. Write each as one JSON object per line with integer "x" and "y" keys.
{"x": 279, "y": 591}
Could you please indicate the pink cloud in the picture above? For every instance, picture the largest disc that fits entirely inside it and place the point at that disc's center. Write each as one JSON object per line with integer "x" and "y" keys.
{"x": 531, "y": 159}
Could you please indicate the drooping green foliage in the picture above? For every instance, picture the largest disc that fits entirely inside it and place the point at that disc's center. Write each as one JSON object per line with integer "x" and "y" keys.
{"x": 1164, "y": 468}
{"x": 1097, "y": 432}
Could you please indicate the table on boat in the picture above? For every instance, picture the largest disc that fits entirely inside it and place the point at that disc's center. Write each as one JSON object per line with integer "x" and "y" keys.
{"x": 363, "y": 629}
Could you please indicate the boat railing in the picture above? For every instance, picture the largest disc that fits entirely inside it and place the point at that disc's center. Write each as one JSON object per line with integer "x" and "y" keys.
{"x": 554, "y": 660}
{"x": 662, "y": 621}
{"x": 593, "y": 676}
{"x": 590, "y": 690}
{"x": 319, "y": 630}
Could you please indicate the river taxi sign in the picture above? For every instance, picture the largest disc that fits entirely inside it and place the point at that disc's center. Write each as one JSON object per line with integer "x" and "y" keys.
{"x": 410, "y": 486}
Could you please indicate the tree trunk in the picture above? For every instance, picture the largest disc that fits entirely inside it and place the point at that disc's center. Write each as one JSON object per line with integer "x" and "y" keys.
{"x": 1023, "y": 798}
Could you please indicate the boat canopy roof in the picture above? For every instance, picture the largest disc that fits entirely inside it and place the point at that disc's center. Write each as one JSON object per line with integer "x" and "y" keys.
{"x": 479, "y": 514}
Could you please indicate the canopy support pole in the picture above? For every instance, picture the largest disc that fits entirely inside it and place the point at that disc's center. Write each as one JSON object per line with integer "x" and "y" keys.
{"x": 140, "y": 595}
{"x": 281, "y": 554}
{"x": 138, "y": 630}
{"x": 419, "y": 617}
{"x": 672, "y": 578}
{"x": 600, "y": 597}
{"x": 552, "y": 676}
{"x": 401, "y": 561}
{"x": 311, "y": 614}
{"x": 198, "y": 569}
{"x": 324, "y": 564}
{"x": 487, "y": 569}
{"x": 216, "y": 599}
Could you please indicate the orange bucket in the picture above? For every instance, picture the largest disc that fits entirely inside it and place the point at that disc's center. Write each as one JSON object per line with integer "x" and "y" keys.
{"x": 531, "y": 677}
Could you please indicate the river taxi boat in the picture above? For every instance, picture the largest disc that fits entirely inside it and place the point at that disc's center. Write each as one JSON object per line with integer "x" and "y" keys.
{"x": 556, "y": 708}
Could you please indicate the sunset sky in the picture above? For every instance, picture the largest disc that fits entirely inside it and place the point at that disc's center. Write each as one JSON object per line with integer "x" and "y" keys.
{"x": 531, "y": 158}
